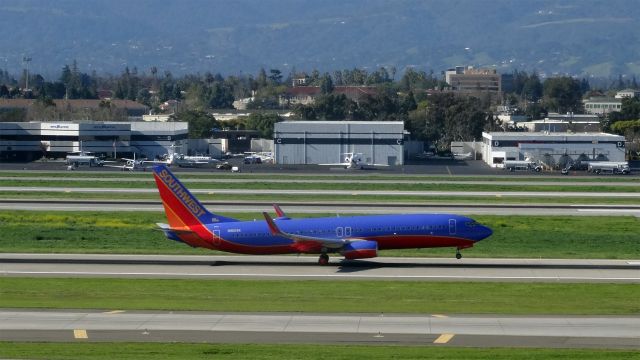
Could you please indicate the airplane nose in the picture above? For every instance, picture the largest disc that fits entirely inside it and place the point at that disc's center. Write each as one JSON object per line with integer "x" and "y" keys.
{"x": 484, "y": 232}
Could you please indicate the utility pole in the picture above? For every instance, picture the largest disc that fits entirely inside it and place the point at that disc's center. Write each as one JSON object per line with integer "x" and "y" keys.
{"x": 26, "y": 60}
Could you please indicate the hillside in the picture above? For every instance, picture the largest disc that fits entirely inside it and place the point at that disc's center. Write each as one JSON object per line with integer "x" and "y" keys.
{"x": 586, "y": 37}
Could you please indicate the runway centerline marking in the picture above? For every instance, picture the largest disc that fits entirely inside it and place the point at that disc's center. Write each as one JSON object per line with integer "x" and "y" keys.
{"x": 443, "y": 339}
{"x": 80, "y": 334}
{"x": 440, "y": 316}
{"x": 114, "y": 312}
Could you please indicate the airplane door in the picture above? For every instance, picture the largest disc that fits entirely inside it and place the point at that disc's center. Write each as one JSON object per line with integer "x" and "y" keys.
{"x": 347, "y": 231}
{"x": 452, "y": 226}
{"x": 339, "y": 232}
{"x": 216, "y": 235}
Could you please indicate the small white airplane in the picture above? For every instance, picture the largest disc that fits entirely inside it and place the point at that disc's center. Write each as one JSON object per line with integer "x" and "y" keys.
{"x": 190, "y": 161}
{"x": 134, "y": 164}
{"x": 354, "y": 161}
{"x": 182, "y": 160}
{"x": 462, "y": 156}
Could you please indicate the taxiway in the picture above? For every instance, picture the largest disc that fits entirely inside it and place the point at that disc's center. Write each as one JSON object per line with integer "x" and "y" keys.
{"x": 438, "y": 329}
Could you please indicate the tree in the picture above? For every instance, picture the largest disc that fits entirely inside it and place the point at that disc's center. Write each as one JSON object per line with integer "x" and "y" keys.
{"x": 563, "y": 94}
{"x": 201, "y": 124}
{"x": 4, "y": 91}
{"x": 326, "y": 84}
{"x": 264, "y": 123}
{"x": 532, "y": 89}
{"x": 629, "y": 128}
{"x": 444, "y": 118}
{"x": 261, "y": 80}
{"x": 630, "y": 108}
{"x": 275, "y": 77}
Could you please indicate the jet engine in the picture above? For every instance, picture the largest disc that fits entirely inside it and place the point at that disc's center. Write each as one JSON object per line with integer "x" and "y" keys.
{"x": 360, "y": 250}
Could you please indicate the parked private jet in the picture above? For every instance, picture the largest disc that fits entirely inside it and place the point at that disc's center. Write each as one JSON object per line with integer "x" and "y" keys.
{"x": 354, "y": 161}
{"x": 354, "y": 237}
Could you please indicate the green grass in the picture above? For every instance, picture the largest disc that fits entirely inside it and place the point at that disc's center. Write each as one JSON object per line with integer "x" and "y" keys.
{"x": 168, "y": 351}
{"x": 320, "y": 296}
{"x": 351, "y": 186}
{"x": 614, "y": 237}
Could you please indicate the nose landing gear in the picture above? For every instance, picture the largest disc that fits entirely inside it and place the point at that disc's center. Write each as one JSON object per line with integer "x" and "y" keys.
{"x": 323, "y": 259}
{"x": 458, "y": 254}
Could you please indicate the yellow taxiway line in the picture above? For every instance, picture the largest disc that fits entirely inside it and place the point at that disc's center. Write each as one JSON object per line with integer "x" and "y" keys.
{"x": 443, "y": 339}
{"x": 80, "y": 334}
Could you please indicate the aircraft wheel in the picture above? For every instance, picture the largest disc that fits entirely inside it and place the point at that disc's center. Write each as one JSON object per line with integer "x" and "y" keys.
{"x": 323, "y": 259}
{"x": 458, "y": 255}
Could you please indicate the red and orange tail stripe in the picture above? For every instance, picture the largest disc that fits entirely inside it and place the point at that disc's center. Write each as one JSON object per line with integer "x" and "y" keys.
{"x": 179, "y": 216}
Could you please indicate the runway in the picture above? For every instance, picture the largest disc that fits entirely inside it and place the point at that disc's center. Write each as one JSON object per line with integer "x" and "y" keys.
{"x": 306, "y": 268}
{"x": 330, "y": 207}
{"x": 436, "y": 329}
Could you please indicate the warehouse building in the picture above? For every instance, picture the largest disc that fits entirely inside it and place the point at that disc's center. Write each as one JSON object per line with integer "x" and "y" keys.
{"x": 554, "y": 150}
{"x": 327, "y": 142}
{"x": 27, "y": 141}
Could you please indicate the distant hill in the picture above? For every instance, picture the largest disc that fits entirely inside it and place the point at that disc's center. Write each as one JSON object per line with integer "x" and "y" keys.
{"x": 584, "y": 37}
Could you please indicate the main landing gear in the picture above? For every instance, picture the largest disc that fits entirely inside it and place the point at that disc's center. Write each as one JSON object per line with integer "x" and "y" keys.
{"x": 323, "y": 259}
{"x": 458, "y": 255}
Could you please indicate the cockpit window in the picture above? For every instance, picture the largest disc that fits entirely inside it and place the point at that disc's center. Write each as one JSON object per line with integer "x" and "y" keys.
{"x": 471, "y": 224}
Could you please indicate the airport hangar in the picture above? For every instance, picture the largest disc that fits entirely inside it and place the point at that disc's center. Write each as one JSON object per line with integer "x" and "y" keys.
{"x": 27, "y": 141}
{"x": 552, "y": 149}
{"x": 327, "y": 142}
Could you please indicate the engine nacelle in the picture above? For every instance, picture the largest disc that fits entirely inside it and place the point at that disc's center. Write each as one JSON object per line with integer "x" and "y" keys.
{"x": 360, "y": 250}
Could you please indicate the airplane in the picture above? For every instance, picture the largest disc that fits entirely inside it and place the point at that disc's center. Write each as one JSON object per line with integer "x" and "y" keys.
{"x": 354, "y": 161}
{"x": 190, "y": 161}
{"x": 354, "y": 237}
{"x": 132, "y": 164}
{"x": 461, "y": 156}
{"x": 182, "y": 160}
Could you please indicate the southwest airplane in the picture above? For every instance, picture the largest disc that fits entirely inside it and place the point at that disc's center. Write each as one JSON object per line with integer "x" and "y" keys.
{"x": 356, "y": 237}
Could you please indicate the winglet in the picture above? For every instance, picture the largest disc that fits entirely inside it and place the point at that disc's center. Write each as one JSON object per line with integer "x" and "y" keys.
{"x": 279, "y": 212}
{"x": 272, "y": 225}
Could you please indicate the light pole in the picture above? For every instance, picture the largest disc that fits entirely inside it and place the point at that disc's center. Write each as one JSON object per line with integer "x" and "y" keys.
{"x": 26, "y": 60}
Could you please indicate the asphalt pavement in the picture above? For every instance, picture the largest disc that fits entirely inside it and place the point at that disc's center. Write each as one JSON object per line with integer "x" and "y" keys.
{"x": 293, "y": 268}
{"x": 416, "y": 329}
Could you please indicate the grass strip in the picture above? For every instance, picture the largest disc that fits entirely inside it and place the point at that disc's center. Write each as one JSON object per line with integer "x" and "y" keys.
{"x": 320, "y": 296}
{"x": 613, "y": 237}
{"x": 170, "y": 351}
{"x": 353, "y": 186}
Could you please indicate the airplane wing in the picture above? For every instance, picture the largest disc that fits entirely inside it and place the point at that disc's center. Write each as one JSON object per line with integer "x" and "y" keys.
{"x": 303, "y": 240}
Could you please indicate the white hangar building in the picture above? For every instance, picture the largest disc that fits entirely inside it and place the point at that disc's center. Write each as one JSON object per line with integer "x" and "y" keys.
{"x": 28, "y": 141}
{"x": 552, "y": 149}
{"x": 327, "y": 142}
